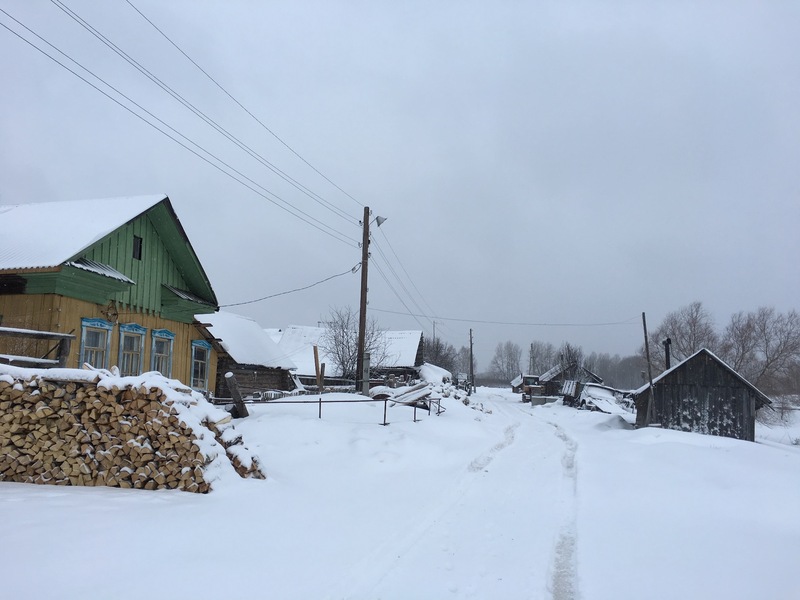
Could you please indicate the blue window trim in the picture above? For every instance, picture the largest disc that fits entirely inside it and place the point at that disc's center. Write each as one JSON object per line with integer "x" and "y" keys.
{"x": 95, "y": 324}
{"x": 162, "y": 334}
{"x": 206, "y": 346}
{"x": 132, "y": 329}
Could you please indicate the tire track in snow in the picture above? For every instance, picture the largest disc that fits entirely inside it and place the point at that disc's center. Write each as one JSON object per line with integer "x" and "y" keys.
{"x": 564, "y": 567}
{"x": 482, "y": 461}
{"x": 392, "y": 549}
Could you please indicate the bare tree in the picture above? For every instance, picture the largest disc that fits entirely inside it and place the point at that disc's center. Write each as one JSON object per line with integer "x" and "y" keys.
{"x": 441, "y": 354}
{"x": 506, "y": 361}
{"x": 541, "y": 357}
{"x": 763, "y": 346}
{"x": 690, "y": 329}
{"x": 340, "y": 341}
{"x": 462, "y": 361}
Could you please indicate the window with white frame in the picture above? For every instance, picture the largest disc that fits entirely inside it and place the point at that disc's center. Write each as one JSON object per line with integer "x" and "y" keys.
{"x": 201, "y": 354}
{"x": 95, "y": 342}
{"x": 161, "y": 351}
{"x": 131, "y": 345}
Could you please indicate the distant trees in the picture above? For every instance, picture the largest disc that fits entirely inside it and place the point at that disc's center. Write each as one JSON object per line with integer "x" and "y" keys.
{"x": 690, "y": 328}
{"x": 541, "y": 356}
{"x": 340, "y": 341}
{"x": 462, "y": 361}
{"x": 506, "y": 361}
{"x": 441, "y": 354}
{"x": 762, "y": 345}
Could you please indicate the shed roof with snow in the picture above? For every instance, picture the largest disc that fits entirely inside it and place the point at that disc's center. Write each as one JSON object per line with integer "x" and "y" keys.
{"x": 245, "y": 341}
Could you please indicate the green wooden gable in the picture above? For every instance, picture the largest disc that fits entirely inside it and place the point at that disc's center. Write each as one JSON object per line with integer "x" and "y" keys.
{"x": 146, "y": 263}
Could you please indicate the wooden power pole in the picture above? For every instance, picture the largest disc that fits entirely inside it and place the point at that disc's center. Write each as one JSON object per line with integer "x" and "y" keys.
{"x": 362, "y": 312}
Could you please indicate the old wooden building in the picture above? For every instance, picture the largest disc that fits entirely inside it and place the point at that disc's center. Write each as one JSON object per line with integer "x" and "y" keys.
{"x": 704, "y": 395}
{"x": 120, "y": 274}
{"x": 245, "y": 349}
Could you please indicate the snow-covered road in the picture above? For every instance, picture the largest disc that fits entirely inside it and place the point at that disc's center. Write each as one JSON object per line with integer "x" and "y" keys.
{"x": 510, "y": 501}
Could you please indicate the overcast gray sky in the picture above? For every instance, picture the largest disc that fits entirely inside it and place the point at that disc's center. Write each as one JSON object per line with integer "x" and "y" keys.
{"x": 538, "y": 162}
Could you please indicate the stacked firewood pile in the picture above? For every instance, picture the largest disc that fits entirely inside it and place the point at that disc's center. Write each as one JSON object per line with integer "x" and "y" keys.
{"x": 101, "y": 430}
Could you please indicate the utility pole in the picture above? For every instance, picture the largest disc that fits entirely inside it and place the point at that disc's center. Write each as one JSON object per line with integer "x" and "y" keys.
{"x": 362, "y": 313}
{"x": 650, "y": 400}
{"x": 471, "y": 370}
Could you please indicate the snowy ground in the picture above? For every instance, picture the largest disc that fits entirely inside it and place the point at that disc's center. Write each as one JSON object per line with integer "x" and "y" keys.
{"x": 520, "y": 502}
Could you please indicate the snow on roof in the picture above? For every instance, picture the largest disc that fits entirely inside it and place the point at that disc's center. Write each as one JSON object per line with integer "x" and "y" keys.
{"x": 101, "y": 269}
{"x": 245, "y": 340}
{"x": 401, "y": 347}
{"x": 433, "y": 374}
{"x": 297, "y": 342}
{"x": 63, "y": 229}
{"x": 722, "y": 363}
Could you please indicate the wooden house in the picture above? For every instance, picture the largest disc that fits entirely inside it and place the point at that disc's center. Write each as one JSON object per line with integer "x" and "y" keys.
{"x": 119, "y": 274}
{"x": 704, "y": 395}
{"x": 561, "y": 380}
{"x": 402, "y": 352}
{"x": 245, "y": 349}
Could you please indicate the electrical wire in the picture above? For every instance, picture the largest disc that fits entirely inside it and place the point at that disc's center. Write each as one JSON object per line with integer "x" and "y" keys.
{"x": 353, "y": 270}
{"x": 399, "y": 280}
{"x": 200, "y": 114}
{"x": 289, "y": 208}
{"x": 394, "y": 291}
{"x": 240, "y": 105}
{"x": 631, "y": 321}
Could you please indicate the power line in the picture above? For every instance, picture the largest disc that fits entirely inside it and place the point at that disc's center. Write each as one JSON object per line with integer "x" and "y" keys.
{"x": 406, "y": 271}
{"x": 399, "y": 280}
{"x": 200, "y": 114}
{"x": 353, "y": 270}
{"x": 394, "y": 291}
{"x": 256, "y": 119}
{"x": 289, "y": 208}
{"x": 515, "y": 323}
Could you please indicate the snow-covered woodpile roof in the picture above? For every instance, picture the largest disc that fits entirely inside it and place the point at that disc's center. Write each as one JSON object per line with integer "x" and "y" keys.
{"x": 245, "y": 341}
{"x": 48, "y": 234}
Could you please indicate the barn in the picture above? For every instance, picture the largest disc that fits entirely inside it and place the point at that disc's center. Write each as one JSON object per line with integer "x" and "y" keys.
{"x": 704, "y": 395}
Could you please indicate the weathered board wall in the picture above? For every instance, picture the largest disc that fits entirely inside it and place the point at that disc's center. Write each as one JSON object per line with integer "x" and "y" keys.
{"x": 703, "y": 396}
{"x": 250, "y": 378}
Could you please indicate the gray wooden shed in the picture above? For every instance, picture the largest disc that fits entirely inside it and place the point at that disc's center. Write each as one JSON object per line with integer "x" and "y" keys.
{"x": 704, "y": 395}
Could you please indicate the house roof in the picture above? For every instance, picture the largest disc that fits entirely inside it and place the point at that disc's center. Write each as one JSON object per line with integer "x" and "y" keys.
{"x": 65, "y": 230}
{"x": 401, "y": 347}
{"x": 722, "y": 363}
{"x": 298, "y": 341}
{"x": 245, "y": 341}
{"x": 62, "y": 229}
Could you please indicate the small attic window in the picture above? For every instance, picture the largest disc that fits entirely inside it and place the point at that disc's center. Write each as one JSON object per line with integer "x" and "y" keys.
{"x": 137, "y": 247}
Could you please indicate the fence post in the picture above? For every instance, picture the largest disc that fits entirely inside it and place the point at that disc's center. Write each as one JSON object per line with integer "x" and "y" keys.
{"x": 385, "y": 403}
{"x": 415, "y": 413}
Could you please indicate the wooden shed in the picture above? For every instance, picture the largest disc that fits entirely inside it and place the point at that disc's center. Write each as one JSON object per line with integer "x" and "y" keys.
{"x": 245, "y": 349}
{"x": 704, "y": 395}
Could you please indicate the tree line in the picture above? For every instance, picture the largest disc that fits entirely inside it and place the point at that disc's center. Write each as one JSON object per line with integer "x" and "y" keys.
{"x": 761, "y": 345}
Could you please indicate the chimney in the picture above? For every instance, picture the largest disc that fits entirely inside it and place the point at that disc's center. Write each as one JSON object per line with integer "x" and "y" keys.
{"x": 667, "y": 343}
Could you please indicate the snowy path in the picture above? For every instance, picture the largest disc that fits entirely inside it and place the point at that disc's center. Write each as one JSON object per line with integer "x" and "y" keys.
{"x": 539, "y": 503}
{"x": 514, "y": 541}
